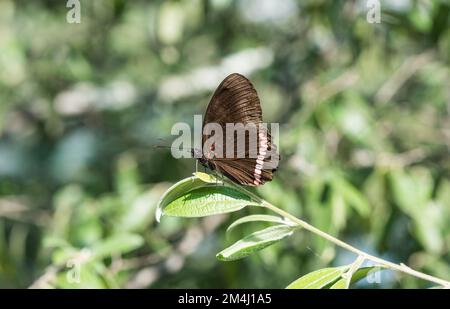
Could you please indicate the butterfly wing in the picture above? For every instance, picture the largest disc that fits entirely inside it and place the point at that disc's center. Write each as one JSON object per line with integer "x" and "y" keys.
{"x": 236, "y": 101}
{"x": 242, "y": 171}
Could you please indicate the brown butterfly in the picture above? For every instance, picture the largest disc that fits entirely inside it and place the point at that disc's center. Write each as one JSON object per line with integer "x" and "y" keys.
{"x": 235, "y": 101}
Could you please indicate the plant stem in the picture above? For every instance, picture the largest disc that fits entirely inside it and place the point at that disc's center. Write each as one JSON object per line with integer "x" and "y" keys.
{"x": 398, "y": 267}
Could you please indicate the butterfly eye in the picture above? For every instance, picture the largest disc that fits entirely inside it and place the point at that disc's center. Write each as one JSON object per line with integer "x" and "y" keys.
{"x": 196, "y": 153}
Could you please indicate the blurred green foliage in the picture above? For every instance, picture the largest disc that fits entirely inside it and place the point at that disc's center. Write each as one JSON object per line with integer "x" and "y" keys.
{"x": 365, "y": 137}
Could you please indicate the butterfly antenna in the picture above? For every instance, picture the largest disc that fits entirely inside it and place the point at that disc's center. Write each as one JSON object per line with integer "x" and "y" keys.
{"x": 170, "y": 147}
{"x": 162, "y": 146}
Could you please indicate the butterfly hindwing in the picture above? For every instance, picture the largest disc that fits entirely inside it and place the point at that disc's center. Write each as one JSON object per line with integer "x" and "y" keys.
{"x": 242, "y": 171}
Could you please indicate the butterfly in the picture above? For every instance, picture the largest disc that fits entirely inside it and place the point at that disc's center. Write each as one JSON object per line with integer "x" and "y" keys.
{"x": 235, "y": 101}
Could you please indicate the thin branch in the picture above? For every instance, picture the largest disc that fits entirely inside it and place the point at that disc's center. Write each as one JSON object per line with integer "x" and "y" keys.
{"x": 398, "y": 267}
{"x": 353, "y": 268}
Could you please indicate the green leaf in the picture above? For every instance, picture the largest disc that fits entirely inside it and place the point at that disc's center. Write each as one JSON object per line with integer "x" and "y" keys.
{"x": 412, "y": 190}
{"x": 318, "y": 279}
{"x": 429, "y": 226}
{"x": 352, "y": 196}
{"x": 139, "y": 213}
{"x": 255, "y": 242}
{"x": 117, "y": 245}
{"x": 257, "y": 218}
{"x": 208, "y": 178}
{"x": 177, "y": 190}
{"x": 208, "y": 201}
{"x": 89, "y": 278}
{"x": 358, "y": 275}
{"x": 363, "y": 272}
{"x": 340, "y": 284}
{"x": 127, "y": 178}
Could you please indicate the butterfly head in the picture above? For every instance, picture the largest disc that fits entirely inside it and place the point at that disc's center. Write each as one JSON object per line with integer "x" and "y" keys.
{"x": 198, "y": 154}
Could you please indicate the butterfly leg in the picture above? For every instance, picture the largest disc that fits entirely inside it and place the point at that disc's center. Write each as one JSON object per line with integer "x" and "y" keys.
{"x": 219, "y": 178}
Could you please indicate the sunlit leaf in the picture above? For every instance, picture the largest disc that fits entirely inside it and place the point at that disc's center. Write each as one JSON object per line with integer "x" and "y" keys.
{"x": 177, "y": 190}
{"x": 340, "y": 284}
{"x": 257, "y": 218}
{"x": 255, "y": 242}
{"x": 208, "y": 201}
{"x": 361, "y": 273}
{"x": 318, "y": 279}
{"x": 208, "y": 178}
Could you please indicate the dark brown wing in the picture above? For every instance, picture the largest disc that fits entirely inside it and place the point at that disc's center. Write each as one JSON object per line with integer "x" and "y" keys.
{"x": 236, "y": 101}
{"x": 242, "y": 171}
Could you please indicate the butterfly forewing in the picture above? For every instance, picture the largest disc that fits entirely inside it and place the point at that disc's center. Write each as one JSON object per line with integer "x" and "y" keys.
{"x": 236, "y": 102}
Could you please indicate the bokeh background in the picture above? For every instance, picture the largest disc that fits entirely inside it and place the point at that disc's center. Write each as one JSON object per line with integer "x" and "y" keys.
{"x": 365, "y": 137}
